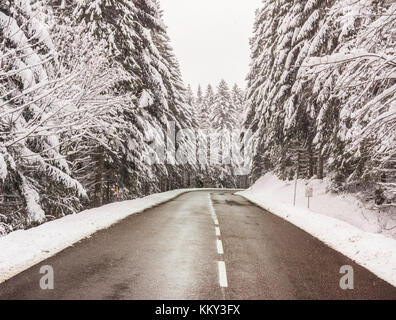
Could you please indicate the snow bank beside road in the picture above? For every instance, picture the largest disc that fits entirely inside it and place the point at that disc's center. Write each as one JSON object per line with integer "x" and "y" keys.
{"x": 22, "y": 249}
{"x": 375, "y": 252}
{"x": 345, "y": 207}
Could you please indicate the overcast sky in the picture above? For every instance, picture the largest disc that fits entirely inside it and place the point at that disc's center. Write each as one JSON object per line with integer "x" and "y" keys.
{"x": 211, "y": 38}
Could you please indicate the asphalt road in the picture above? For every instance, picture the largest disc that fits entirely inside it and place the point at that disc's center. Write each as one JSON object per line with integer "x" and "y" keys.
{"x": 207, "y": 246}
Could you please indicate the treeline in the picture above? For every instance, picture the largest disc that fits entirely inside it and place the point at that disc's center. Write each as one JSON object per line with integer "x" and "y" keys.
{"x": 219, "y": 111}
{"x": 86, "y": 87}
{"x": 322, "y": 84}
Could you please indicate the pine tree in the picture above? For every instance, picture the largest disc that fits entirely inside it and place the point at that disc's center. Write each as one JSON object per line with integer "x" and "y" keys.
{"x": 355, "y": 78}
{"x": 138, "y": 41}
{"x": 223, "y": 112}
{"x": 35, "y": 179}
{"x": 280, "y": 109}
{"x": 206, "y": 107}
{"x": 200, "y": 97}
{"x": 319, "y": 80}
{"x": 238, "y": 99}
{"x": 89, "y": 89}
{"x": 223, "y": 123}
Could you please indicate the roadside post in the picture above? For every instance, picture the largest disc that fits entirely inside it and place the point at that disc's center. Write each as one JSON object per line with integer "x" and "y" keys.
{"x": 309, "y": 193}
{"x": 118, "y": 196}
{"x": 296, "y": 180}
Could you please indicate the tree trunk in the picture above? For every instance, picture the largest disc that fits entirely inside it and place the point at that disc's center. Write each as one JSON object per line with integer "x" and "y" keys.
{"x": 310, "y": 164}
{"x": 163, "y": 183}
{"x": 108, "y": 200}
{"x": 320, "y": 164}
{"x": 99, "y": 177}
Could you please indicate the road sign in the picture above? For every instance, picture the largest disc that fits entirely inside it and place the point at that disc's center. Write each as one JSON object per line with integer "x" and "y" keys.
{"x": 309, "y": 193}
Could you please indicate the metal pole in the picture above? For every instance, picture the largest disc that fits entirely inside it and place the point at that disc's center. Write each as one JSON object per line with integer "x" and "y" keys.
{"x": 295, "y": 191}
{"x": 295, "y": 183}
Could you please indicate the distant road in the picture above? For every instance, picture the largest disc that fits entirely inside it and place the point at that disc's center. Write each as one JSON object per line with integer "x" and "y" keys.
{"x": 201, "y": 245}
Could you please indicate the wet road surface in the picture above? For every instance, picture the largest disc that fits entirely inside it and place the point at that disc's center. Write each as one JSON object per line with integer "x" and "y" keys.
{"x": 201, "y": 245}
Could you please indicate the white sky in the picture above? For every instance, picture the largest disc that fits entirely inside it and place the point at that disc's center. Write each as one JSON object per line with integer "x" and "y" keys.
{"x": 211, "y": 38}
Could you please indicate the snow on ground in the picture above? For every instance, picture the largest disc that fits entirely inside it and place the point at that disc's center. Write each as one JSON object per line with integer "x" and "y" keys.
{"x": 22, "y": 249}
{"x": 345, "y": 207}
{"x": 340, "y": 221}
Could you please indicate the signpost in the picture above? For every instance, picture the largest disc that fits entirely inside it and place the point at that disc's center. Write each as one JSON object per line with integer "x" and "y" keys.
{"x": 309, "y": 193}
{"x": 303, "y": 159}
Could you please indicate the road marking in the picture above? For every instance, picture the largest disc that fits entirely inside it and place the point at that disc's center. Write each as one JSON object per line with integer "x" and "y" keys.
{"x": 222, "y": 274}
{"x": 212, "y": 210}
{"x": 220, "y": 247}
{"x": 221, "y": 264}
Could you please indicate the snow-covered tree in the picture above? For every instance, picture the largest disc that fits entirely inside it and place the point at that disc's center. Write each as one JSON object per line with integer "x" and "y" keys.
{"x": 206, "y": 105}
{"x": 358, "y": 75}
{"x": 223, "y": 122}
{"x": 86, "y": 89}
{"x": 321, "y": 80}
{"x": 138, "y": 40}
{"x": 238, "y": 99}
{"x": 223, "y": 113}
{"x": 36, "y": 180}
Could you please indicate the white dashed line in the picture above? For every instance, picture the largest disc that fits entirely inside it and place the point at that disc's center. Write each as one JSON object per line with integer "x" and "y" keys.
{"x": 220, "y": 247}
{"x": 212, "y": 210}
{"x": 221, "y": 264}
{"x": 222, "y": 274}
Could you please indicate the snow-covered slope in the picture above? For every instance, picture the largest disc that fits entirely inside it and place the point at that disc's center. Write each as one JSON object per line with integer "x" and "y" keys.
{"x": 340, "y": 221}
{"x": 344, "y": 206}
